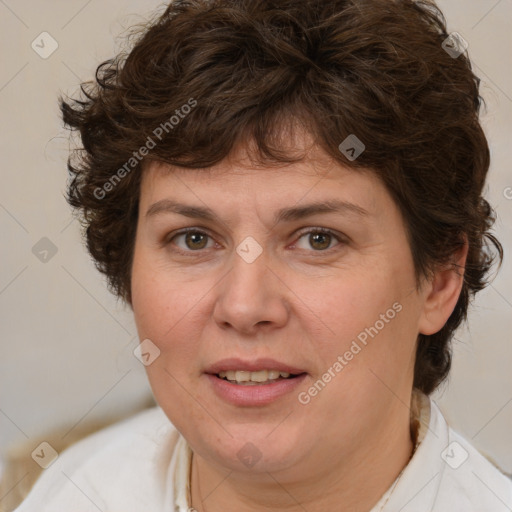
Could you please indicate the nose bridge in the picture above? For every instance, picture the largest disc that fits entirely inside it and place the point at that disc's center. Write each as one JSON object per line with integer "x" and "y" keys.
{"x": 250, "y": 294}
{"x": 246, "y": 279}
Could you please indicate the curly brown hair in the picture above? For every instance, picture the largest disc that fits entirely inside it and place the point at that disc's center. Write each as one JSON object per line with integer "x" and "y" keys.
{"x": 206, "y": 75}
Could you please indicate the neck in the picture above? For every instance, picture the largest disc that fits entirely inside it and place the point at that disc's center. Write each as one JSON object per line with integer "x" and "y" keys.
{"x": 357, "y": 480}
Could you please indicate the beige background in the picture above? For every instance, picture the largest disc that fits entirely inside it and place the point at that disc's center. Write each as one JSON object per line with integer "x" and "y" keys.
{"x": 66, "y": 344}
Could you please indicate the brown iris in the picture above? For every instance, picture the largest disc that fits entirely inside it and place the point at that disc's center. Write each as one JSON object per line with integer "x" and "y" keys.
{"x": 196, "y": 240}
{"x": 319, "y": 240}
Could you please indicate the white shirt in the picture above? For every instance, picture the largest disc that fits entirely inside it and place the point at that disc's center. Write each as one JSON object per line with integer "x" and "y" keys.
{"x": 142, "y": 465}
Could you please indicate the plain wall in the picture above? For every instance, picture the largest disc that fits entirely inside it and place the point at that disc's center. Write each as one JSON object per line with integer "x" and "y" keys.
{"x": 66, "y": 343}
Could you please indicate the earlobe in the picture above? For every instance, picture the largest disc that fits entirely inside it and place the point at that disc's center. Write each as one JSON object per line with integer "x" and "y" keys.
{"x": 442, "y": 292}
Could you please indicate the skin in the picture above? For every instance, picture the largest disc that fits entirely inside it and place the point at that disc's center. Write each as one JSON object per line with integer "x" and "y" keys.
{"x": 297, "y": 304}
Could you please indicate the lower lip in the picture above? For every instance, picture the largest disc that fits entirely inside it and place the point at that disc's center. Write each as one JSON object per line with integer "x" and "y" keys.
{"x": 262, "y": 394}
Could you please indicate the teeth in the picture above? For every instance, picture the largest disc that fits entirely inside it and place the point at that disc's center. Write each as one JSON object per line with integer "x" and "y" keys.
{"x": 241, "y": 376}
{"x": 259, "y": 376}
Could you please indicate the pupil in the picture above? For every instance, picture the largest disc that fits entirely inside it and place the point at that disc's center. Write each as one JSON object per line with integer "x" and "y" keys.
{"x": 323, "y": 239}
{"x": 198, "y": 240}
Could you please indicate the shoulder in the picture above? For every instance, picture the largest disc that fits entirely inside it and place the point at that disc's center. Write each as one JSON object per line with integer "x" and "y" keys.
{"x": 447, "y": 473}
{"x": 470, "y": 482}
{"x": 124, "y": 466}
{"x": 470, "y": 477}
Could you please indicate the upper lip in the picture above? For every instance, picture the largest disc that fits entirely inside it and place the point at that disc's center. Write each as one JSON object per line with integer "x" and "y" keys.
{"x": 251, "y": 366}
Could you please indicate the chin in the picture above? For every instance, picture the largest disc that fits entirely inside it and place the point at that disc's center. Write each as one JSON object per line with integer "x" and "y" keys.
{"x": 248, "y": 450}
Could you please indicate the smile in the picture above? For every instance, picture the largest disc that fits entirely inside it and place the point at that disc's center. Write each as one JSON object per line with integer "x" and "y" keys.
{"x": 249, "y": 393}
{"x": 259, "y": 377}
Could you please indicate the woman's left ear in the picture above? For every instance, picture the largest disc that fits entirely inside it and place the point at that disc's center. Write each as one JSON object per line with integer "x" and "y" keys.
{"x": 442, "y": 291}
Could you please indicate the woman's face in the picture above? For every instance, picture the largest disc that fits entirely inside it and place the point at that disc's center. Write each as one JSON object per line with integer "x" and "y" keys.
{"x": 256, "y": 285}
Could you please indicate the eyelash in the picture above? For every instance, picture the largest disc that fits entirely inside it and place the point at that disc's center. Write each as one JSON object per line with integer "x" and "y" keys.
{"x": 336, "y": 236}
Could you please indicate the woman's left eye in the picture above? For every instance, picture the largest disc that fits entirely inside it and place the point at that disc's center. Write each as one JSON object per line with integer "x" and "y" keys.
{"x": 318, "y": 239}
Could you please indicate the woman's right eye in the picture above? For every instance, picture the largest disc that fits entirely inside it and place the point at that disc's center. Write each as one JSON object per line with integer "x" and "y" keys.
{"x": 191, "y": 240}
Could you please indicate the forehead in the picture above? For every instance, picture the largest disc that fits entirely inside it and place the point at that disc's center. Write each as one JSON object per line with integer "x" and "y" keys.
{"x": 243, "y": 174}
{"x": 235, "y": 194}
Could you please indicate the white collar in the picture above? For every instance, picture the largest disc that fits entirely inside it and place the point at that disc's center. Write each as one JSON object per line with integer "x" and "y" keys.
{"x": 405, "y": 491}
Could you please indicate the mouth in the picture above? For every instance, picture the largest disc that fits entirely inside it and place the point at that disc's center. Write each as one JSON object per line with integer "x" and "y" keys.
{"x": 253, "y": 383}
{"x": 255, "y": 378}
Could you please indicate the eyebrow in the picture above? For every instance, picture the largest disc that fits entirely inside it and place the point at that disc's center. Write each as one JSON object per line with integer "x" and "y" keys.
{"x": 284, "y": 214}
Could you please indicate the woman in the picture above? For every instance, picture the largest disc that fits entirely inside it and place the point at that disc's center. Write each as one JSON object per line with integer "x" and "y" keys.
{"x": 289, "y": 197}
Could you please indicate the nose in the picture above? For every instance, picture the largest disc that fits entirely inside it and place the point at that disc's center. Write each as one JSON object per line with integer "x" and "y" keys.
{"x": 251, "y": 297}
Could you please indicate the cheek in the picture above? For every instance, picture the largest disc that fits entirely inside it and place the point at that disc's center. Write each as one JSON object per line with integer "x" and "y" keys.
{"x": 168, "y": 309}
{"x": 159, "y": 307}
{"x": 155, "y": 295}
{"x": 352, "y": 300}
{"x": 371, "y": 306}
{"x": 164, "y": 314}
